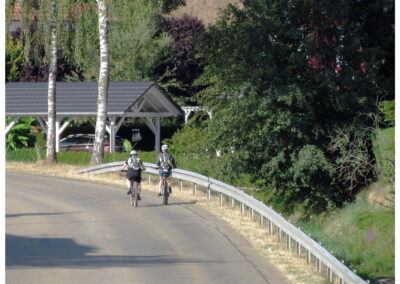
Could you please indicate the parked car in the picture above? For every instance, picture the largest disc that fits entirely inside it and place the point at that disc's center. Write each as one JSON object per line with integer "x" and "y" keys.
{"x": 85, "y": 142}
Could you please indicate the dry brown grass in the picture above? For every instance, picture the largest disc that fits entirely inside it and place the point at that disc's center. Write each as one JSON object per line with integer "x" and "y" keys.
{"x": 204, "y": 10}
{"x": 290, "y": 265}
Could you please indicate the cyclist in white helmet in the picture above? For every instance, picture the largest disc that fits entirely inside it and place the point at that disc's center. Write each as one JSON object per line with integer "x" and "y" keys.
{"x": 165, "y": 161}
{"x": 135, "y": 167}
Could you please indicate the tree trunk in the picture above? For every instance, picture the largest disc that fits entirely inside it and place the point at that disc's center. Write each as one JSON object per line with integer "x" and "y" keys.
{"x": 51, "y": 127}
{"x": 98, "y": 151}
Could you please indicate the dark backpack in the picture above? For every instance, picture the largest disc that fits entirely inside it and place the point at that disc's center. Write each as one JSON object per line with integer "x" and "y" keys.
{"x": 133, "y": 163}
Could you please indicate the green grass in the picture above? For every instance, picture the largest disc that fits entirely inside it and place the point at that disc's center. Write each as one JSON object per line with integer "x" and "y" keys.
{"x": 32, "y": 155}
{"x": 360, "y": 234}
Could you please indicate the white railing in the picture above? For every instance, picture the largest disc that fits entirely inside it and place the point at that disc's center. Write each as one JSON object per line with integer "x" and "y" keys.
{"x": 293, "y": 234}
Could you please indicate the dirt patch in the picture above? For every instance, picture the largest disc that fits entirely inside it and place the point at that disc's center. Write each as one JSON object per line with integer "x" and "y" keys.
{"x": 381, "y": 195}
{"x": 286, "y": 261}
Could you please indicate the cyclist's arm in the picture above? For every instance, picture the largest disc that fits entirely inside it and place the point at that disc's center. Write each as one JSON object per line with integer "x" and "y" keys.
{"x": 123, "y": 167}
{"x": 158, "y": 162}
{"x": 142, "y": 166}
{"x": 173, "y": 162}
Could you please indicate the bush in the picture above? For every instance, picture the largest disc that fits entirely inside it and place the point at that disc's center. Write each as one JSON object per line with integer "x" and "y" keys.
{"x": 312, "y": 174}
{"x": 384, "y": 150}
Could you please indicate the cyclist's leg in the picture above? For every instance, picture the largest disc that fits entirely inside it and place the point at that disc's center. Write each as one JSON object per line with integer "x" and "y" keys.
{"x": 128, "y": 183}
{"x": 137, "y": 180}
{"x": 169, "y": 181}
{"x": 160, "y": 183}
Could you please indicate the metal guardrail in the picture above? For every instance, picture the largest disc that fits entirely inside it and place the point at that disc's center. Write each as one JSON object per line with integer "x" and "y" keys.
{"x": 322, "y": 256}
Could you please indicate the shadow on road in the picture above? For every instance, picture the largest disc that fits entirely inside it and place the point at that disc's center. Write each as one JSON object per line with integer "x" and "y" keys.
{"x": 64, "y": 252}
{"x": 169, "y": 204}
{"x": 38, "y": 214}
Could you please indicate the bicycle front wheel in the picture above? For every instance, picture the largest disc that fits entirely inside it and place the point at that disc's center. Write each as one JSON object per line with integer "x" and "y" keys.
{"x": 135, "y": 193}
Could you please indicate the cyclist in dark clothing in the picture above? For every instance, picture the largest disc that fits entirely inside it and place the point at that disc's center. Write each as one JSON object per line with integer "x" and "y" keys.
{"x": 165, "y": 161}
{"x": 135, "y": 167}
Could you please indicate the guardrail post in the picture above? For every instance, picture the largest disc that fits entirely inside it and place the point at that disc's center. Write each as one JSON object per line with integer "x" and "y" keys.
{"x": 252, "y": 213}
{"x": 194, "y": 189}
{"x": 241, "y": 208}
{"x": 180, "y": 185}
{"x": 318, "y": 265}
{"x": 308, "y": 257}
{"x": 269, "y": 227}
{"x": 148, "y": 178}
{"x": 220, "y": 199}
{"x": 279, "y": 234}
{"x": 298, "y": 248}
{"x": 233, "y": 202}
{"x": 287, "y": 241}
{"x": 329, "y": 274}
{"x": 261, "y": 220}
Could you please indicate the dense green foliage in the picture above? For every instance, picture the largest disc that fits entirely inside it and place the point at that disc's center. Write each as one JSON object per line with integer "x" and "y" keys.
{"x": 20, "y": 135}
{"x": 177, "y": 74}
{"x": 286, "y": 79}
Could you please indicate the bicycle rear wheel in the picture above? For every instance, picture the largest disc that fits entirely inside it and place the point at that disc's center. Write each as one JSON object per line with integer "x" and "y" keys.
{"x": 132, "y": 194}
{"x": 135, "y": 194}
{"x": 166, "y": 193}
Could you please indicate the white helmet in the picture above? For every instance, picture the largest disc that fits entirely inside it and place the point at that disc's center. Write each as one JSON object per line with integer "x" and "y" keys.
{"x": 164, "y": 148}
{"x": 133, "y": 152}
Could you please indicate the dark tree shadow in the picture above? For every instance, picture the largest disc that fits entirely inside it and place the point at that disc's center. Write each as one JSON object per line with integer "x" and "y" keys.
{"x": 65, "y": 252}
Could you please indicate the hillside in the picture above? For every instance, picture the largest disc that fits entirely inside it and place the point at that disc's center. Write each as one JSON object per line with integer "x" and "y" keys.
{"x": 204, "y": 10}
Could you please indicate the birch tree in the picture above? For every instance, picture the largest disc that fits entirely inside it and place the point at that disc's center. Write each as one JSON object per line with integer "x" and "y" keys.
{"x": 98, "y": 151}
{"x": 51, "y": 101}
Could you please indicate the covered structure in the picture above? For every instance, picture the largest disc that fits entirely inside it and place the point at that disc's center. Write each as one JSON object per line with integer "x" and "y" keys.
{"x": 144, "y": 100}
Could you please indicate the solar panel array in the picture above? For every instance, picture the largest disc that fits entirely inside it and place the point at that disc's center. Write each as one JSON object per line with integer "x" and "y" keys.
{"x": 71, "y": 97}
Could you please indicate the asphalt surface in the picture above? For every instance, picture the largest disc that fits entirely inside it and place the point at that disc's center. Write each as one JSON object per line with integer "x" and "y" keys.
{"x": 66, "y": 231}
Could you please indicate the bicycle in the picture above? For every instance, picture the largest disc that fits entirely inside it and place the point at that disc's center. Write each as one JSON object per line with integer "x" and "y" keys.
{"x": 164, "y": 187}
{"x": 134, "y": 193}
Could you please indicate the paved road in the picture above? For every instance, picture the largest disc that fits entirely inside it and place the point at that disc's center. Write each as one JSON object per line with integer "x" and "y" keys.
{"x": 66, "y": 231}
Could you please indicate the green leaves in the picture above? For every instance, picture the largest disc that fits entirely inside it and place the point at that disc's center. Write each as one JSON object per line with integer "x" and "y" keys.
{"x": 20, "y": 136}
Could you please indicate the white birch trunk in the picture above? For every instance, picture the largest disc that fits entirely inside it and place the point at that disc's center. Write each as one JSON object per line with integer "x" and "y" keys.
{"x": 51, "y": 132}
{"x": 98, "y": 151}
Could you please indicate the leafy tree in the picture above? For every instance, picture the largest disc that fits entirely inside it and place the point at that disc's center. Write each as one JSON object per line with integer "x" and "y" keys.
{"x": 182, "y": 69}
{"x": 14, "y": 53}
{"x": 282, "y": 76}
{"x": 136, "y": 45}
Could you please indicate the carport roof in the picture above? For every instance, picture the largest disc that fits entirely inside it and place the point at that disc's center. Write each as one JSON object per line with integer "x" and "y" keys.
{"x": 143, "y": 98}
